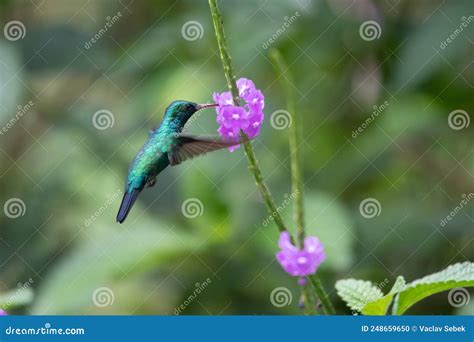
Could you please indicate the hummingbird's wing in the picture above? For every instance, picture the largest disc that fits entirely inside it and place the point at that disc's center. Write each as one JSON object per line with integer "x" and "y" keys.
{"x": 190, "y": 146}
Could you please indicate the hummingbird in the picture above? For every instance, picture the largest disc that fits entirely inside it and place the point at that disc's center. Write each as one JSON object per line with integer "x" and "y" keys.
{"x": 166, "y": 146}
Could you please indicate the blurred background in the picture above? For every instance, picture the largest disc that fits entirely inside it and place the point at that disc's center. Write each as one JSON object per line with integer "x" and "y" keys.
{"x": 385, "y": 93}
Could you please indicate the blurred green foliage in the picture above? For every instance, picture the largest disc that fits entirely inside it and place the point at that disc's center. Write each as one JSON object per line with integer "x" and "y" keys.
{"x": 65, "y": 170}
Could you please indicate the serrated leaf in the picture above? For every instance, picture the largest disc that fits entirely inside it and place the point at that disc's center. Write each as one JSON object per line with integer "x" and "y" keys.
{"x": 406, "y": 295}
{"x": 457, "y": 272}
{"x": 400, "y": 285}
{"x": 357, "y": 293}
{"x": 380, "y": 306}
{"x": 458, "y": 275}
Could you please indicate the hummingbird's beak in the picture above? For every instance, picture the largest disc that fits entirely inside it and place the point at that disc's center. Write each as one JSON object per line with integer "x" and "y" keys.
{"x": 206, "y": 105}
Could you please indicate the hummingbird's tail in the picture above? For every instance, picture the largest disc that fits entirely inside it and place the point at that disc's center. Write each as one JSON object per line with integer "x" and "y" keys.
{"x": 127, "y": 203}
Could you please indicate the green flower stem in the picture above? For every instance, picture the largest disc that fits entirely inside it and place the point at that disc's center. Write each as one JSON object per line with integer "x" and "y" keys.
{"x": 325, "y": 301}
{"x": 308, "y": 299}
{"x": 296, "y": 178}
{"x": 224, "y": 50}
{"x": 231, "y": 82}
{"x": 249, "y": 152}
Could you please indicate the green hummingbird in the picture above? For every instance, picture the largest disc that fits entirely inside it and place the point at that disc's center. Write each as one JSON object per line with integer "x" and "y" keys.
{"x": 166, "y": 146}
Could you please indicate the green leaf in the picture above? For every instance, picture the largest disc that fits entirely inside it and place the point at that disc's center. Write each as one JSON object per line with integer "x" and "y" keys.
{"x": 357, "y": 293}
{"x": 367, "y": 298}
{"x": 380, "y": 306}
{"x": 458, "y": 275}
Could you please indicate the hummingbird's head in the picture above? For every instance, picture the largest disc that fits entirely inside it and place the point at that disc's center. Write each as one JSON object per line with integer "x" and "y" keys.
{"x": 181, "y": 111}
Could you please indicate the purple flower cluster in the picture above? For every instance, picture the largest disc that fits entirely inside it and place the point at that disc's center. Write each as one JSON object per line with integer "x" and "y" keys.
{"x": 248, "y": 118}
{"x": 300, "y": 262}
{"x": 3, "y": 312}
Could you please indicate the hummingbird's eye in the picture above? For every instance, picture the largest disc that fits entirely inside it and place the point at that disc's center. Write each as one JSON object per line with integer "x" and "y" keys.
{"x": 189, "y": 106}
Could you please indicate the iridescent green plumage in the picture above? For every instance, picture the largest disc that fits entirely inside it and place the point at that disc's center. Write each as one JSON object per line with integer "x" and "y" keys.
{"x": 165, "y": 146}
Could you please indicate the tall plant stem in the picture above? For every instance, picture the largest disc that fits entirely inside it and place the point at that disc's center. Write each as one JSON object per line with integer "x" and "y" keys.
{"x": 295, "y": 133}
{"x": 296, "y": 177}
{"x": 231, "y": 83}
{"x": 323, "y": 297}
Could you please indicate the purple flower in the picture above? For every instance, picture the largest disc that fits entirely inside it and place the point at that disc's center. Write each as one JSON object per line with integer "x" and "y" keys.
{"x": 300, "y": 262}
{"x": 3, "y": 312}
{"x": 248, "y": 118}
{"x": 245, "y": 86}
